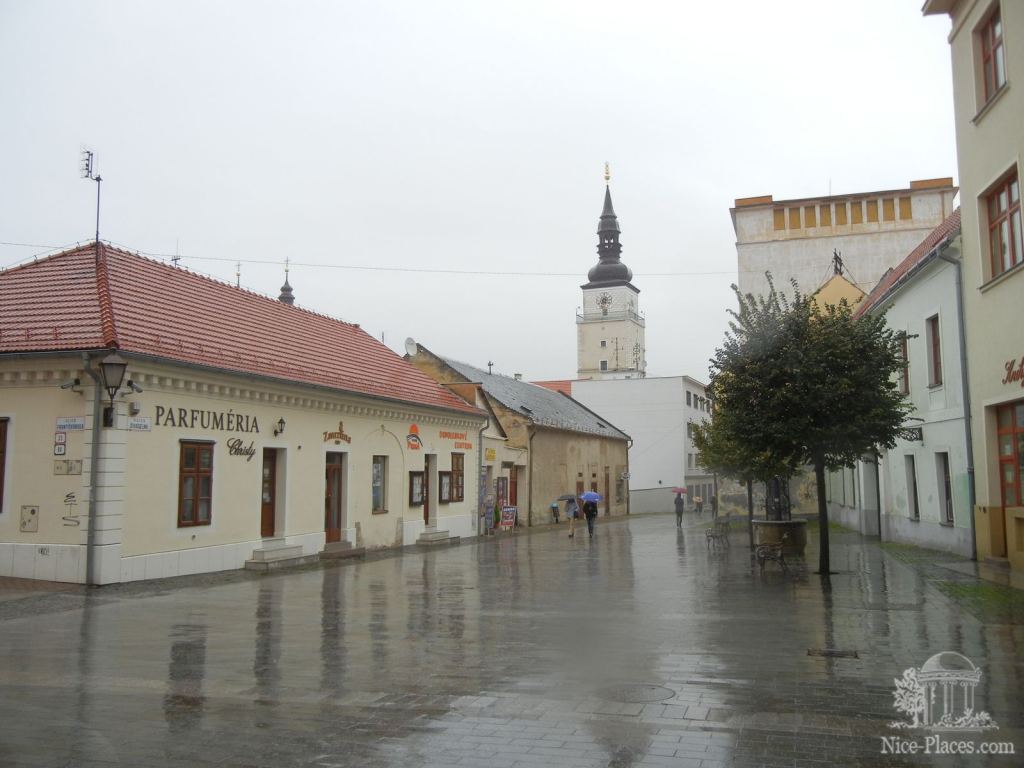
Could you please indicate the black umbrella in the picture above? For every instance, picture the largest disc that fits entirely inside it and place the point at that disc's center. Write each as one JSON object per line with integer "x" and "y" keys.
{"x": 566, "y": 497}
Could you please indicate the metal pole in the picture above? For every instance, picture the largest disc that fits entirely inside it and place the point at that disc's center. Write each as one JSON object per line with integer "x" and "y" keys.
{"x": 99, "y": 180}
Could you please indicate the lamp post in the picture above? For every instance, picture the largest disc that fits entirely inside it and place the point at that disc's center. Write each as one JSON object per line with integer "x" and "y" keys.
{"x": 112, "y": 369}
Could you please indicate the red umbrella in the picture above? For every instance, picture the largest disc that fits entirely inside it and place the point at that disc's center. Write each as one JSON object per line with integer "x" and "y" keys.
{"x": 678, "y": 490}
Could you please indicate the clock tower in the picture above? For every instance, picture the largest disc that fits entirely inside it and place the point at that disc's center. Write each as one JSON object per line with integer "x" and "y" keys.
{"x": 610, "y": 332}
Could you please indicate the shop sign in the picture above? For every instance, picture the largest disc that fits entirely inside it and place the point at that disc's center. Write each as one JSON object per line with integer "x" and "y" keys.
{"x": 140, "y": 424}
{"x": 237, "y": 448}
{"x": 1014, "y": 372}
{"x": 460, "y": 438}
{"x": 70, "y": 423}
{"x": 339, "y": 436}
{"x": 191, "y": 418}
{"x": 490, "y": 454}
{"x": 412, "y": 440}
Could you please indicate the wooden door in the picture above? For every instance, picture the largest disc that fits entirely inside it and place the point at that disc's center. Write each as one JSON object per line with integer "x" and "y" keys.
{"x": 269, "y": 492}
{"x": 513, "y": 486}
{"x": 332, "y": 498}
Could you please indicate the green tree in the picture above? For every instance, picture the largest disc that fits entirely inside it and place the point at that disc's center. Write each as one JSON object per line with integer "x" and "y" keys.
{"x": 796, "y": 384}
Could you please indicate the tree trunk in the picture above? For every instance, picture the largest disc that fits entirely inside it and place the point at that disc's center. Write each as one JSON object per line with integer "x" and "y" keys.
{"x": 750, "y": 511}
{"x": 819, "y": 476}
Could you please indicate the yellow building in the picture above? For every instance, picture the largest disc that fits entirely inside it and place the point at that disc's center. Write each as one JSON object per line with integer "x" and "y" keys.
{"x": 156, "y": 423}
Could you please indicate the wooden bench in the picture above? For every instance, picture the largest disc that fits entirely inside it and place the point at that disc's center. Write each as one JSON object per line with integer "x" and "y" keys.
{"x": 718, "y": 534}
{"x": 776, "y": 552}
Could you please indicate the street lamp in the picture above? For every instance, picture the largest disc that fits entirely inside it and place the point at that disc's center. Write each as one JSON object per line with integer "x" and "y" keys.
{"x": 279, "y": 427}
{"x": 112, "y": 369}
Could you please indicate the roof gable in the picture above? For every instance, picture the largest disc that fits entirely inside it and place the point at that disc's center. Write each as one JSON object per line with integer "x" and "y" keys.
{"x": 946, "y": 231}
{"x": 75, "y": 300}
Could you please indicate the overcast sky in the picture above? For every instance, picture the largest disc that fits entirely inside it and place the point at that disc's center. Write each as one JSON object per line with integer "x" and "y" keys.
{"x": 468, "y": 135}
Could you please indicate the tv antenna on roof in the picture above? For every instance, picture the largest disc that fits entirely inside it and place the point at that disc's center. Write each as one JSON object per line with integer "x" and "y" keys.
{"x": 87, "y": 173}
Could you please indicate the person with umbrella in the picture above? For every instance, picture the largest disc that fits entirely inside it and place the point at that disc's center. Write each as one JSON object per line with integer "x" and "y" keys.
{"x": 590, "y": 499}
{"x": 572, "y": 511}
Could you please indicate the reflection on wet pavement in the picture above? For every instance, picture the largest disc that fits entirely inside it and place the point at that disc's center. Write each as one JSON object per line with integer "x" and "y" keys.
{"x": 639, "y": 648}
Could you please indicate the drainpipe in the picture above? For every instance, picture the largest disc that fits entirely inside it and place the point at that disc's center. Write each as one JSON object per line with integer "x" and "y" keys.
{"x": 479, "y": 475}
{"x": 966, "y": 394}
{"x": 529, "y": 470}
{"x": 629, "y": 445}
{"x": 94, "y": 470}
{"x": 878, "y": 494}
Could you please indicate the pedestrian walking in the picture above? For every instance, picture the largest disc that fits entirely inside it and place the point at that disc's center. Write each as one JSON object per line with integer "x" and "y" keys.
{"x": 680, "y": 503}
{"x": 700, "y": 504}
{"x": 590, "y": 512}
{"x": 572, "y": 511}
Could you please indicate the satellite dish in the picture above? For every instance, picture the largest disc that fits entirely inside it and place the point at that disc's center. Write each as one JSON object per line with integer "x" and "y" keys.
{"x": 410, "y": 346}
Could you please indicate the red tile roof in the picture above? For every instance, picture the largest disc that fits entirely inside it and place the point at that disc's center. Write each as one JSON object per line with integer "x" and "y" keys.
{"x": 946, "y": 230}
{"x": 76, "y": 301}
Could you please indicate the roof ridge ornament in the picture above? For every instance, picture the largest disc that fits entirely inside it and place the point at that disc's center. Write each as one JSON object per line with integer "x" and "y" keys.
{"x": 607, "y": 173}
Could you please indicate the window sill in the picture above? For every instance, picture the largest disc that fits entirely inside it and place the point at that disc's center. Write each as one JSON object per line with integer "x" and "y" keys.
{"x": 936, "y": 385}
{"x": 1015, "y": 269}
{"x": 379, "y": 512}
{"x": 945, "y": 524}
{"x": 914, "y": 519}
{"x": 987, "y": 107}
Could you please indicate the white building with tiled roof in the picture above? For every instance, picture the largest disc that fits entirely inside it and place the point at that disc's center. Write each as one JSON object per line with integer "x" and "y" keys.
{"x": 244, "y": 429}
{"x": 919, "y": 491}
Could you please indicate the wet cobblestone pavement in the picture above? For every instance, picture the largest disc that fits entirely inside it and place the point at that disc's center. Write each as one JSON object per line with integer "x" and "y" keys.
{"x": 638, "y": 648}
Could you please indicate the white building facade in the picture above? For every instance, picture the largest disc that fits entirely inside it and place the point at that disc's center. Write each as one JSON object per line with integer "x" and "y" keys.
{"x": 658, "y": 414}
{"x": 872, "y": 231}
{"x": 987, "y": 47}
{"x": 924, "y": 494}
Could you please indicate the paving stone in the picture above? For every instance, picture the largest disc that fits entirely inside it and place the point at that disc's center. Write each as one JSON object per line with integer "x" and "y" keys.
{"x": 497, "y": 654}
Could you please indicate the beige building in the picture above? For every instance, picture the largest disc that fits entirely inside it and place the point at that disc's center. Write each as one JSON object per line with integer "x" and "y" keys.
{"x": 241, "y": 429}
{"x": 871, "y": 232}
{"x": 987, "y": 47}
{"x": 539, "y": 444}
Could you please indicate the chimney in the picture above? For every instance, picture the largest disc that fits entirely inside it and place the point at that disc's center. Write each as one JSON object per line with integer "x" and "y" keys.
{"x": 518, "y": 376}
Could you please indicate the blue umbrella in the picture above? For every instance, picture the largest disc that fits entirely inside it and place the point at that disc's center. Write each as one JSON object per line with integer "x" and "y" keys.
{"x": 591, "y": 496}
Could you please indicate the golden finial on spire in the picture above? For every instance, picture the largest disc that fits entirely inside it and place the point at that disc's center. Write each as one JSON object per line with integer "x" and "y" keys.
{"x": 607, "y": 173}
{"x": 285, "y": 267}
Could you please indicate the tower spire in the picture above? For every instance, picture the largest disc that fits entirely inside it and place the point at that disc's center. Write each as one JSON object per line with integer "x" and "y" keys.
{"x": 286, "y": 296}
{"x": 609, "y": 268}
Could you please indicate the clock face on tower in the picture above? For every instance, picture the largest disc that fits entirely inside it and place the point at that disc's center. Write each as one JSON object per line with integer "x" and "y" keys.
{"x": 604, "y": 301}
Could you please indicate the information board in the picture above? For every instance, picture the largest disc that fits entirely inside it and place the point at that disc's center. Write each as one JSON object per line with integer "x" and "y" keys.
{"x": 508, "y": 517}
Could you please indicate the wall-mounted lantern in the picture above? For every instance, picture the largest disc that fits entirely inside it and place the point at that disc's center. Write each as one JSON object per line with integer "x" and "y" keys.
{"x": 279, "y": 427}
{"x": 112, "y": 369}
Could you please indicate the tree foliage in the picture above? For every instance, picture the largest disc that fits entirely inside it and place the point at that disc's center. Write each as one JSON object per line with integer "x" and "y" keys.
{"x": 795, "y": 384}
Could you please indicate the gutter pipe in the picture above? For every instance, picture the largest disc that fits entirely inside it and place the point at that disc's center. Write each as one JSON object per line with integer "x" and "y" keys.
{"x": 479, "y": 477}
{"x": 94, "y": 471}
{"x": 966, "y": 394}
